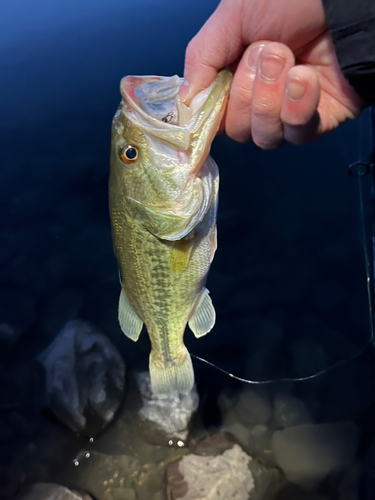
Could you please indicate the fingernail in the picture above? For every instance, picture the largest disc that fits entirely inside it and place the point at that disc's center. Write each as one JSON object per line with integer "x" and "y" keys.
{"x": 295, "y": 89}
{"x": 271, "y": 67}
{"x": 254, "y": 56}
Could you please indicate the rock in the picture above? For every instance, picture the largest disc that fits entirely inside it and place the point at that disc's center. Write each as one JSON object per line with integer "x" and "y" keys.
{"x": 97, "y": 472}
{"x": 211, "y": 477}
{"x": 240, "y": 432}
{"x": 150, "y": 483}
{"x": 119, "y": 494}
{"x": 85, "y": 377}
{"x": 230, "y": 418}
{"x": 267, "y": 480}
{"x": 260, "y": 440}
{"x": 291, "y": 411}
{"x": 252, "y": 408}
{"x": 215, "y": 445}
{"x": 171, "y": 414}
{"x": 50, "y": 491}
{"x": 308, "y": 453}
{"x": 226, "y": 401}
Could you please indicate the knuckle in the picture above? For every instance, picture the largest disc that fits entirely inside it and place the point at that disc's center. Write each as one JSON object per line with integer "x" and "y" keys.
{"x": 265, "y": 108}
{"x": 191, "y": 51}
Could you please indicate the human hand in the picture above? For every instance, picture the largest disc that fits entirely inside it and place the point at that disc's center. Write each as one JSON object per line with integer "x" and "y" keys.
{"x": 287, "y": 83}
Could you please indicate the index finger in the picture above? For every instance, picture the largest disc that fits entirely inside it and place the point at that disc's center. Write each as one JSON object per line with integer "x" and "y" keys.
{"x": 217, "y": 44}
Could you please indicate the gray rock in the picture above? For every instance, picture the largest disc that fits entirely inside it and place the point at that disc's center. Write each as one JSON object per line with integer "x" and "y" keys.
{"x": 291, "y": 411}
{"x": 308, "y": 453}
{"x": 226, "y": 401}
{"x": 85, "y": 377}
{"x": 170, "y": 414}
{"x": 50, "y": 491}
{"x": 211, "y": 477}
{"x": 239, "y": 431}
{"x": 253, "y": 408}
{"x": 260, "y": 440}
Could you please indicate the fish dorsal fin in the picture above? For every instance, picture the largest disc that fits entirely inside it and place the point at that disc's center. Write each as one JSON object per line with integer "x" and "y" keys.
{"x": 204, "y": 316}
{"x": 130, "y": 323}
{"x": 181, "y": 253}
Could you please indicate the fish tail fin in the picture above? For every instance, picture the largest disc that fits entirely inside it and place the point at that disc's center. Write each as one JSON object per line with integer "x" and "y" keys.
{"x": 179, "y": 375}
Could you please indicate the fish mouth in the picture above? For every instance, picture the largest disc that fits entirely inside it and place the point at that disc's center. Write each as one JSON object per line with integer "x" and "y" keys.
{"x": 156, "y": 105}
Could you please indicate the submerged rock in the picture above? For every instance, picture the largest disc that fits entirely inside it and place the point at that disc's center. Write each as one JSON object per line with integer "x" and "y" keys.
{"x": 308, "y": 453}
{"x": 291, "y": 411}
{"x": 85, "y": 377}
{"x": 239, "y": 431}
{"x": 50, "y": 491}
{"x": 218, "y": 477}
{"x": 171, "y": 414}
{"x": 219, "y": 468}
{"x": 253, "y": 408}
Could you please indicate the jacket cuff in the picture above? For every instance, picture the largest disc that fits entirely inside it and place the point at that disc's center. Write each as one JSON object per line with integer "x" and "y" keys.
{"x": 352, "y": 27}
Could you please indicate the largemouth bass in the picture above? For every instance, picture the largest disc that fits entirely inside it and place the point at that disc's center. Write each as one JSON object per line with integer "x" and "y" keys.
{"x": 163, "y": 192}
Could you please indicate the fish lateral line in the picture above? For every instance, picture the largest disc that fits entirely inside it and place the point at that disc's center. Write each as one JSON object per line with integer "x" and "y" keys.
{"x": 329, "y": 368}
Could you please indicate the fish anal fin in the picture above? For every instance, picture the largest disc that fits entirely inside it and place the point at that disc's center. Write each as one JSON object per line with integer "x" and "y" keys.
{"x": 130, "y": 322}
{"x": 177, "y": 376}
{"x": 181, "y": 253}
{"x": 204, "y": 316}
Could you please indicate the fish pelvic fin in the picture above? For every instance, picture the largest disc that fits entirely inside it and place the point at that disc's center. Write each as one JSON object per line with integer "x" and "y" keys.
{"x": 179, "y": 375}
{"x": 204, "y": 316}
{"x": 130, "y": 322}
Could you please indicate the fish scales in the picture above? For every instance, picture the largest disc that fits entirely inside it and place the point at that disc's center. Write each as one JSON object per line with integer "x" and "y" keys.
{"x": 163, "y": 192}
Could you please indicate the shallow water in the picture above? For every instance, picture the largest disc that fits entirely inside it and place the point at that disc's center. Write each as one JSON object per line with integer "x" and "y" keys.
{"x": 288, "y": 281}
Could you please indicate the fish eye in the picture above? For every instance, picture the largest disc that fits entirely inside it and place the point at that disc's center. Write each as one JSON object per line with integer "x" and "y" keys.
{"x": 129, "y": 154}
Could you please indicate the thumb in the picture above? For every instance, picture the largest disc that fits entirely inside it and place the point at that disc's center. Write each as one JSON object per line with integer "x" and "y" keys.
{"x": 217, "y": 44}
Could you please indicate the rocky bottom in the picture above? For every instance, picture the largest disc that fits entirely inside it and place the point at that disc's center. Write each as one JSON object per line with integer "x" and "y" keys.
{"x": 267, "y": 447}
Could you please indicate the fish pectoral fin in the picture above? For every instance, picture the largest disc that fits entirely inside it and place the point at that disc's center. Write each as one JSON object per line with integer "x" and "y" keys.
{"x": 181, "y": 253}
{"x": 130, "y": 322}
{"x": 203, "y": 319}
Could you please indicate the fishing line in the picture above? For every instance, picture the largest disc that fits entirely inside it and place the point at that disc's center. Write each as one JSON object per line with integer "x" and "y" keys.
{"x": 358, "y": 169}
{"x": 286, "y": 379}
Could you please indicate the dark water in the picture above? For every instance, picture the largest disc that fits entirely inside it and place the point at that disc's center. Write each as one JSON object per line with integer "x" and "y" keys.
{"x": 288, "y": 281}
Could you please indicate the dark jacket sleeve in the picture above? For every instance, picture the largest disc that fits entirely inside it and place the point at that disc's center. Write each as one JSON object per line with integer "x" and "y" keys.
{"x": 352, "y": 27}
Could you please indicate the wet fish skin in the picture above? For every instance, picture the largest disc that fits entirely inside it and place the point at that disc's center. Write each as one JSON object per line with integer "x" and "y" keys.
{"x": 163, "y": 217}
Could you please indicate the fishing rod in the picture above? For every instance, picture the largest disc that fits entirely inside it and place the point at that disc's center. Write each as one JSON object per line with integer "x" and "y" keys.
{"x": 372, "y": 170}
